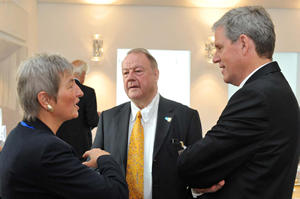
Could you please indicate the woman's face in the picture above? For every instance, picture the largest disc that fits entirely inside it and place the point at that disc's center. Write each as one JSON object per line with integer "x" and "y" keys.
{"x": 65, "y": 107}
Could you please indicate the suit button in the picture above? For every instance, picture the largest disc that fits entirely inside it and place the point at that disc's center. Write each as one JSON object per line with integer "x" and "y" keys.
{"x": 154, "y": 160}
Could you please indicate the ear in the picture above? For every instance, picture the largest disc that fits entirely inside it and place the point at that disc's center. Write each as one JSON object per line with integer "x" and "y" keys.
{"x": 244, "y": 39}
{"x": 156, "y": 73}
{"x": 43, "y": 99}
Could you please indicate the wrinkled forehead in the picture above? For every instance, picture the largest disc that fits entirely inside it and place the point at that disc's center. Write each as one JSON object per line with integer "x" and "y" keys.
{"x": 134, "y": 60}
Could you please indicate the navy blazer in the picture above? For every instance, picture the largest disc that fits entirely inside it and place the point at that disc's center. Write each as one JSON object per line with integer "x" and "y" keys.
{"x": 254, "y": 146}
{"x": 112, "y": 136}
{"x": 34, "y": 163}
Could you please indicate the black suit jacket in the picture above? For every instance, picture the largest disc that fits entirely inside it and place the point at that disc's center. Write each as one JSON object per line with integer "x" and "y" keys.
{"x": 77, "y": 132}
{"x": 112, "y": 136}
{"x": 255, "y": 144}
{"x": 35, "y": 164}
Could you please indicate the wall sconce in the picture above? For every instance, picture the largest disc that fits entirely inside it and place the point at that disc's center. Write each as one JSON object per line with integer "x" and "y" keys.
{"x": 210, "y": 49}
{"x": 97, "y": 47}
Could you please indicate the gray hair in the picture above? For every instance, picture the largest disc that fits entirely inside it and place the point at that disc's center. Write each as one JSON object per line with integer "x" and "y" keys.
{"x": 79, "y": 67}
{"x": 148, "y": 55}
{"x": 253, "y": 21}
{"x": 41, "y": 72}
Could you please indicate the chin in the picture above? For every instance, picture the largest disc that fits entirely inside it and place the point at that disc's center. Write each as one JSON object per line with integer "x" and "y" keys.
{"x": 133, "y": 97}
{"x": 75, "y": 115}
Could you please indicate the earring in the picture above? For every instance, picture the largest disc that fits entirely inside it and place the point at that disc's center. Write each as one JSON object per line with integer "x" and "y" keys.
{"x": 49, "y": 108}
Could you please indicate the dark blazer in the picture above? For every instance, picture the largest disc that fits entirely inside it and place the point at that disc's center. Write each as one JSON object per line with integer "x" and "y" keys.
{"x": 77, "y": 132}
{"x": 112, "y": 136}
{"x": 35, "y": 164}
{"x": 255, "y": 144}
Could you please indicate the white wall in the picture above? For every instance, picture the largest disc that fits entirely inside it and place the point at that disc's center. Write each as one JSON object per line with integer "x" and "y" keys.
{"x": 18, "y": 39}
{"x": 68, "y": 29}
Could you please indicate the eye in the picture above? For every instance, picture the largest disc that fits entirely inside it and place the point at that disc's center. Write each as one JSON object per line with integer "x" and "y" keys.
{"x": 138, "y": 71}
{"x": 125, "y": 73}
{"x": 71, "y": 84}
{"x": 218, "y": 47}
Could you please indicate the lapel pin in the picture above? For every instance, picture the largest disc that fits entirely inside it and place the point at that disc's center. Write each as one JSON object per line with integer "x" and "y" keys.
{"x": 168, "y": 119}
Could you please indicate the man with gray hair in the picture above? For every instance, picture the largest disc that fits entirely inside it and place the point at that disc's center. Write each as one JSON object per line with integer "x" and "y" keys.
{"x": 146, "y": 134}
{"x": 77, "y": 132}
{"x": 254, "y": 146}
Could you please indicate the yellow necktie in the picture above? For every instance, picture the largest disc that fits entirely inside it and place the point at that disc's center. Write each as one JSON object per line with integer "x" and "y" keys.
{"x": 135, "y": 160}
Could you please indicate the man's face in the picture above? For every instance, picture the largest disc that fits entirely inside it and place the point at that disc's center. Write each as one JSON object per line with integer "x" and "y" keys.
{"x": 228, "y": 55}
{"x": 139, "y": 78}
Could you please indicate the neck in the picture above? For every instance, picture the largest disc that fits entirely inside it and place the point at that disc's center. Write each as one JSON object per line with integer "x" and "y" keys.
{"x": 145, "y": 102}
{"x": 253, "y": 65}
{"x": 256, "y": 64}
{"x": 47, "y": 118}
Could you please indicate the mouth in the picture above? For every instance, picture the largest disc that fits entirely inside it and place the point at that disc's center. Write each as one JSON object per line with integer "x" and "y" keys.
{"x": 221, "y": 66}
{"x": 133, "y": 86}
{"x": 77, "y": 107}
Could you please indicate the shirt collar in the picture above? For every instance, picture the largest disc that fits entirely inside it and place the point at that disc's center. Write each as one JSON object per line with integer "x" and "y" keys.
{"x": 146, "y": 112}
{"x": 245, "y": 80}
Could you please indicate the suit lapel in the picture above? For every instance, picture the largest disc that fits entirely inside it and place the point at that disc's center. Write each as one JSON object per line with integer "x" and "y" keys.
{"x": 122, "y": 121}
{"x": 162, "y": 126}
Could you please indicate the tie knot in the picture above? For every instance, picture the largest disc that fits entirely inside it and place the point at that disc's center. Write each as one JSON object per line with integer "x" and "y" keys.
{"x": 139, "y": 115}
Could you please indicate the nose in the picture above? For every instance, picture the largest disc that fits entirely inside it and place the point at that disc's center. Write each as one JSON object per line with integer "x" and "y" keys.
{"x": 216, "y": 58}
{"x": 130, "y": 75}
{"x": 78, "y": 91}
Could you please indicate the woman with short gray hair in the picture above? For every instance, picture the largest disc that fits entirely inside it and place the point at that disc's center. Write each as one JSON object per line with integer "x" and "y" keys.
{"x": 34, "y": 163}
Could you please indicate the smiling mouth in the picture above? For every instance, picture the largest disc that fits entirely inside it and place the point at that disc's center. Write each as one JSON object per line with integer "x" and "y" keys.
{"x": 77, "y": 107}
{"x": 76, "y": 104}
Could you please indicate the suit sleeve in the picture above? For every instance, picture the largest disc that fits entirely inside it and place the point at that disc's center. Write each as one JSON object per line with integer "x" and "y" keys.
{"x": 91, "y": 109}
{"x": 233, "y": 140}
{"x": 66, "y": 176}
{"x": 195, "y": 130}
{"x": 99, "y": 138}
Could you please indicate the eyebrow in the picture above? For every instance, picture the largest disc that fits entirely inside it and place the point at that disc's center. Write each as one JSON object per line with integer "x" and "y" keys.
{"x": 134, "y": 67}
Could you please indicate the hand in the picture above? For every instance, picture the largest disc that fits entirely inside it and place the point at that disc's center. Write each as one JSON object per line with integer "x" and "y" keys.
{"x": 93, "y": 154}
{"x": 211, "y": 189}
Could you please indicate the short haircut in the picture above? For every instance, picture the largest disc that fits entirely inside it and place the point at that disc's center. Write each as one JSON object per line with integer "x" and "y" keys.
{"x": 253, "y": 21}
{"x": 41, "y": 72}
{"x": 79, "y": 67}
{"x": 148, "y": 55}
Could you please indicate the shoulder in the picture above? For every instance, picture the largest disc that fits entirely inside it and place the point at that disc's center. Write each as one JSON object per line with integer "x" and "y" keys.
{"x": 86, "y": 89}
{"x": 47, "y": 141}
{"x": 164, "y": 102}
{"x": 33, "y": 143}
{"x": 117, "y": 109}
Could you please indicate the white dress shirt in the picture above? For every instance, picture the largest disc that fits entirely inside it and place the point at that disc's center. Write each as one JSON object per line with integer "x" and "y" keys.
{"x": 149, "y": 120}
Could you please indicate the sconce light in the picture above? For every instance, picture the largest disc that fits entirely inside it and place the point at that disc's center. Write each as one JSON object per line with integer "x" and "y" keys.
{"x": 210, "y": 49}
{"x": 97, "y": 47}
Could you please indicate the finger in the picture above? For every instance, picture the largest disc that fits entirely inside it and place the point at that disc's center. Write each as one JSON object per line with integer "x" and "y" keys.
{"x": 86, "y": 154}
{"x": 86, "y": 163}
{"x": 222, "y": 182}
{"x": 196, "y": 190}
{"x": 208, "y": 190}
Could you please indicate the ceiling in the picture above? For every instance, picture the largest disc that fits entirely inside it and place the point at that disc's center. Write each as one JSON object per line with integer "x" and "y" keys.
{"x": 188, "y": 3}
